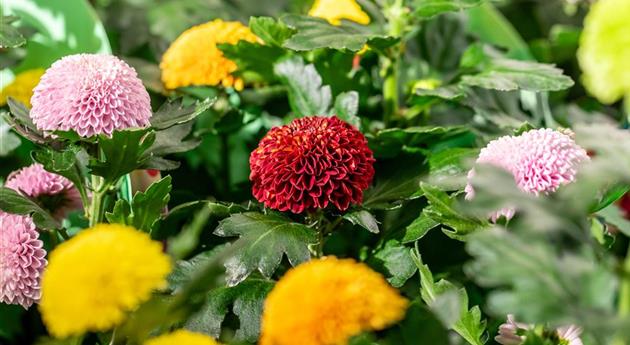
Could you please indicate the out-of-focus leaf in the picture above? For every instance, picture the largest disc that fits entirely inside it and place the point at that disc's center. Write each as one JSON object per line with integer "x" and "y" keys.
{"x": 446, "y": 165}
{"x": 149, "y": 73}
{"x": 10, "y": 37}
{"x": 430, "y": 8}
{"x": 174, "y": 113}
{"x": 145, "y": 208}
{"x": 611, "y": 195}
{"x": 8, "y": 140}
{"x": 122, "y": 153}
{"x": 614, "y": 216}
{"x": 245, "y": 300}
{"x": 364, "y": 219}
{"x": 389, "y": 142}
{"x": 395, "y": 262}
{"x": 264, "y": 240}
{"x": 346, "y": 108}
{"x": 307, "y": 95}
{"x": 420, "y": 326}
{"x": 271, "y": 31}
{"x": 254, "y": 57}
{"x": 394, "y": 184}
{"x": 12, "y": 202}
{"x": 313, "y": 33}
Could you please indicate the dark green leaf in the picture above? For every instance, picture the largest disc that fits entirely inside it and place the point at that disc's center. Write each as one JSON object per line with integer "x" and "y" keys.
{"x": 429, "y": 8}
{"x": 611, "y": 195}
{"x": 395, "y": 183}
{"x": 12, "y": 202}
{"x": 271, "y": 31}
{"x": 245, "y": 300}
{"x": 395, "y": 261}
{"x": 264, "y": 240}
{"x": 146, "y": 207}
{"x": 391, "y": 141}
{"x": 8, "y": 140}
{"x": 307, "y": 95}
{"x": 174, "y": 113}
{"x": 364, "y": 219}
{"x": 418, "y": 228}
{"x": 254, "y": 57}
{"x": 122, "y": 153}
{"x": 347, "y": 107}
{"x": 64, "y": 163}
{"x": 169, "y": 141}
{"x": 21, "y": 122}
{"x": 10, "y": 37}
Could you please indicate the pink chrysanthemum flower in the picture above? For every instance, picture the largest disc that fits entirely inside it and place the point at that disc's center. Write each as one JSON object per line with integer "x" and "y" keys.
{"x": 509, "y": 332}
{"x": 90, "y": 94}
{"x": 22, "y": 260}
{"x": 540, "y": 160}
{"x": 570, "y": 335}
{"x": 53, "y": 192}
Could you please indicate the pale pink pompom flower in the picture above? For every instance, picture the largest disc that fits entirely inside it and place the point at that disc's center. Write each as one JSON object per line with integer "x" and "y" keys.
{"x": 22, "y": 260}
{"x": 90, "y": 94}
{"x": 53, "y": 192}
{"x": 541, "y": 160}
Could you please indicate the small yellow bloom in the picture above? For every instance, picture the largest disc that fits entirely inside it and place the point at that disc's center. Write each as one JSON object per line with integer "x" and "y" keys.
{"x": 21, "y": 88}
{"x": 93, "y": 279}
{"x": 327, "y": 301}
{"x": 182, "y": 337}
{"x": 604, "y": 52}
{"x": 194, "y": 58}
{"x": 427, "y": 84}
{"x": 336, "y": 10}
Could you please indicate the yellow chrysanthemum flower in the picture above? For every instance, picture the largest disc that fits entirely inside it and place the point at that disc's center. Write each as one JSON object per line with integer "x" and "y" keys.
{"x": 93, "y": 279}
{"x": 21, "y": 88}
{"x": 604, "y": 52}
{"x": 194, "y": 59}
{"x": 327, "y": 301}
{"x": 182, "y": 337}
{"x": 336, "y": 10}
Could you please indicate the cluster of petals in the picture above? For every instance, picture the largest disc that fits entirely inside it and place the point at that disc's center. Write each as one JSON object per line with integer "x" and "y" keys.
{"x": 541, "y": 160}
{"x": 96, "y": 277}
{"x": 604, "y": 50}
{"x": 53, "y": 192}
{"x": 511, "y": 333}
{"x": 194, "y": 58}
{"x": 21, "y": 88}
{"x": 181, "y": 337}
{"x": 90, "y": 94}
{"x": 22, "y": 260}
{"x": 336, "y": 10}
{"x": 310, "y": 164}
{"x": 327, "y": 301}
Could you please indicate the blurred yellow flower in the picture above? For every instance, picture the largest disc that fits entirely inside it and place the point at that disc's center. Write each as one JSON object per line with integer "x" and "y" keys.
{"x": 604, "y": 52}
{"x": 336, "y": 10}
{"x": 182, "y": 337}
{"x": 327, "y": 301}
{"x": 93, "y": 279}
{"x": 427, "y": 84}
{"x": 194, "y": 58}
{"x": 21, "y": 88}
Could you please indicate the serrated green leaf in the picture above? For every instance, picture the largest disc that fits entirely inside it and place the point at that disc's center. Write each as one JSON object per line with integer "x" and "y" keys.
{"x": 145, "y": 208}
{"x": 64, "y": 163}
{"x": 20, "y": 120}
{"x": 364, "y": 219}
{"x": 169, "y": 141}
{"x": 418, "y": 228}
{"x": 175, "y": 113}
{"x": 254, "y": 57}
{"x": 395, "y": 262}
{"x": 347, "y": 107}
{"x": 122, "y": 153}
{"x": 10, "y": 37}
{"x": 264, "y": 240}
{"x": 430, "y": 8}
{"x": 271, "y": 31}
{"x": 390, "y": 142}
{"x": 245, "y": 300}
{"x": 394, "y": 184}
{"x": 307, "y": 95}
{"x": 12, "y": 202}
{"x": 510, "y": 75}
{"x": 314, "y": 33}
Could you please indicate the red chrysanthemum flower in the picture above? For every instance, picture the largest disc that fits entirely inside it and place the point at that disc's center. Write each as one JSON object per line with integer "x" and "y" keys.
{"x": 311, "y": 163}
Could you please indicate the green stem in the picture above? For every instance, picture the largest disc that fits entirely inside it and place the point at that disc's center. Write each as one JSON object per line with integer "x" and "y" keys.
{"x": 624, "y": 291}
{"x": 397, "y": 16}
{"x": 225, "y": 161}
{"x": 63, "y": 234}
{"x": 97, "y": 205}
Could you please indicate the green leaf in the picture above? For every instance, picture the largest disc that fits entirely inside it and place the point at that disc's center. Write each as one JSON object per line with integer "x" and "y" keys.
{"x": 307, "y": 95}
{"x": 610, "y": 196}
{"x": 175, "y": 112}
{"x": 394, "y": 184}
{"x": 264, "y": 240}
{"x": 395, "y": 262}
{"x": 20, "y": 120}
{"x": 64, "y": 163}
{"x": 245, "y": 300}
{"x": 418, "y": 228}
{"x": 314, "y": 33}
{"x": 254, "y": 57}
{"x": 12, "y": 202}
{"x": 269, "y": 30}
{"x": 614, "y": 215}
{"x": 390, "y": 142}
{"x": 468, "y": 323}
{"x": 169, "y": 141}
{"x": 347, "y": 107}
{"x": 430, "y": 8}
{"x": 10, "y": 37}
{"x": 420, "y": 326}
{"x": 363, "y": 219}
{"x": 447, "y": 165}
{"x": 509, "y": 75}
{"x": 8, "y": 140}
{"x": 122, "y": 153}
{"x": 146, "y": 207}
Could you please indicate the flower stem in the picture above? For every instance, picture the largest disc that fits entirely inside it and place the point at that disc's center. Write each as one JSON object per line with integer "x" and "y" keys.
{"x": 624, "y": 291}
{"x": 97, "y": 206}
{"x": 396, "y": 14}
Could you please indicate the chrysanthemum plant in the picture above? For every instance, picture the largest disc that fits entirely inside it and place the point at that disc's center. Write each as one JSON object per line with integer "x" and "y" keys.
{"x": 407, "y": 137}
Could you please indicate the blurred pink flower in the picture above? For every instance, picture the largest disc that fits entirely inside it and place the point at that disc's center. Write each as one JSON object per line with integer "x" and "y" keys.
{"x": 541, "y": 160}
{"x": 91, "y": 94}
{"x": 570, "y": 335}
{"x": 508, "y": 332}
{"x": 53, "y": 192}
{"x": 22, "y": 260}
